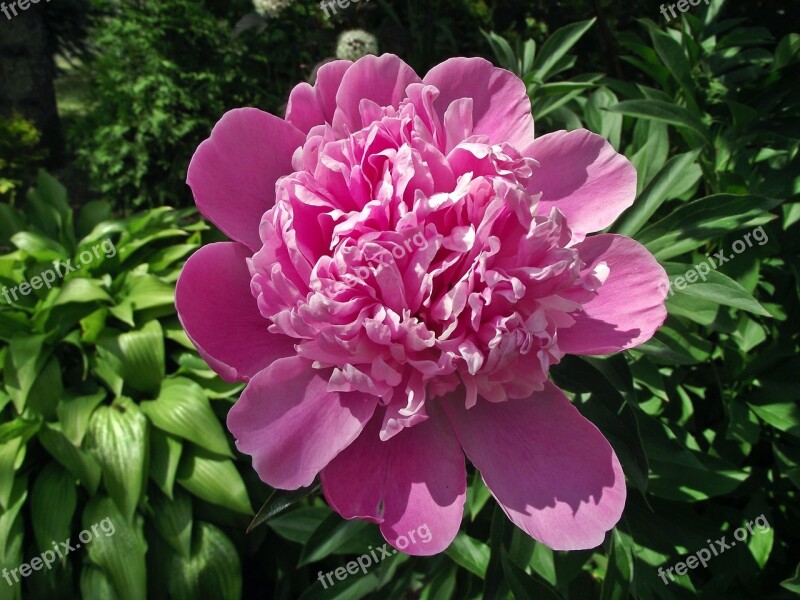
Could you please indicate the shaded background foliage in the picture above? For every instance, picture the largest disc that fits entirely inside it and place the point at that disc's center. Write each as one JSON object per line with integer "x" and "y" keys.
{"x": 106, "y": 410}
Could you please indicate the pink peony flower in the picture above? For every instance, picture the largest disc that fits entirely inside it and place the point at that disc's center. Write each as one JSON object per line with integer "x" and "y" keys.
{"x": 408, "y": 262}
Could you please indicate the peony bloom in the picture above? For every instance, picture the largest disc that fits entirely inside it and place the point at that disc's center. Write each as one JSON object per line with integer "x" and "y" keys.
{"x": 408, "y": 262}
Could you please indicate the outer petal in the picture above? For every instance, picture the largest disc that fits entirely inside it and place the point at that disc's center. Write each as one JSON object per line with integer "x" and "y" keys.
{"x": 220, "y": 315}
{"x": 583, "y": 176}
{"x": 414, "y": 484}
{"x": 551, "y": 470}
{"x": 310, "y": 106}
{"x": 233, "y": 173}
{"x": 382, "y": 79}
{"x": 629, "y": 307}
{"x": 501, "y": 106}
{"x": 292, "y": 426}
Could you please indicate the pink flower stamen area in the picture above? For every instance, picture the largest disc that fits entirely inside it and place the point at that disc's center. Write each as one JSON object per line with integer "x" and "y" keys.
{"x": 408, "y": 261}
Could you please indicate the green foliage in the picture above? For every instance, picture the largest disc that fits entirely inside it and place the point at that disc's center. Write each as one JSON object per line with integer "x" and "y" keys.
{"x": 93, "y": 367}
{"x": 163, "y": 74}
{"x": 20, "y": 154}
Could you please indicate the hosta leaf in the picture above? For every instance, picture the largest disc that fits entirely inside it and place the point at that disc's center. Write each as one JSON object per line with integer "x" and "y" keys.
{"x": 172, "y": 519}
{"x": 212, "y": 571}
{"x": 74, "y": 413}
{"x": 79, "y": 462}
{"x": 8, "y": 466}
{"x": 81, "y": 290}
{"x": 137, "y": 357}
{"x": 53, "y": 502}
{"x": 165, "y": 455}
{"x": 96, "y": 586}
{"x": 118, "y": 439}
{"x": 39, "y": 246}
{"x": 213, "y": 479}
{"x": 183, "y": 410}
{"x": 121, "y": 553}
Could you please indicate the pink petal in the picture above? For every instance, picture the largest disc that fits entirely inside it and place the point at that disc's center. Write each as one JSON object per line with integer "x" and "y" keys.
{"x": 583, "y": 176}
{"x": 500, "y": 103}
{"x": 381, "y": 79}
{"x": 310, "y": 106}
{"x": 414, "y": 484}
{"x": 233, "y": 173}
{"x": 551, "y": 470}
{"x": 220, "y": 315}
{"x": 629, "y": 307}
{"x": 292, "y": 426}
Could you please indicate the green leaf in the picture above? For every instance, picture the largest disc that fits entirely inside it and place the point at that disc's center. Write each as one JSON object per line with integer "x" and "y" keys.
{"x": 694, "y": 224}
{"x": 760, "y": 545}
{"x": 331, "y": 536}
{"x": 19, "y": 428}
{"x": 619, "y": 571}
{"x": 469, "y": 554}
{"x": 674, "y": 58}
{"x": 79, "y": 462}
{"x": 183, "y": 410}
{"x": 557, "y": 45}
{"x": 793, "y": 583}
{"x": 524, "y": 586}
{"x": 713, "y": 286}
{"x": 278, "y": 501}
{"x": 25, "y": 359}
{"x": 39, "y": 246}
{"x": 165, "y": 455}
{"x": 74, "y": 413}
{"x": 53, "y": 502}
{"x": 212, "y": 571}
{"x": 120, "y": 551}
{"x": 96, "y": 586}
{"x": 663, "y": 112}
{"x": 213, "y": 479}
{"x": 81, "y": 290}
{"x": 298, "y": 525}
{"x": 479, "y": 495}
{"x": 658, "y": 189}
{"x": 9, "y": 454}
{"x": 118, "y": 439}
{"x": 137, "y": 357}
{"x": 783, "y": 416}
{"x": 172, "y": 519}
